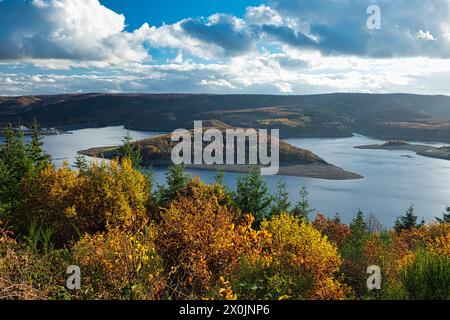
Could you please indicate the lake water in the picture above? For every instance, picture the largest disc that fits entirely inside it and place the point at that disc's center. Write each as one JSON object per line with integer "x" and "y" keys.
{"x": 393, "y": 179}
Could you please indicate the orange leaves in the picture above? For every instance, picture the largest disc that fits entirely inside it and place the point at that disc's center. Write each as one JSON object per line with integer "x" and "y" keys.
{"x": 202, "y": 244}
{"x": 335, "y": 231}
{"x": 200, "y": 247}
{"x": 198, "y": 239}
{"x": 392, "y": 251}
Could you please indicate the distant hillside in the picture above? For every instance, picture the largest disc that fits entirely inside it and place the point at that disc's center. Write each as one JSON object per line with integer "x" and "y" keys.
{"x": 392, "y": 116}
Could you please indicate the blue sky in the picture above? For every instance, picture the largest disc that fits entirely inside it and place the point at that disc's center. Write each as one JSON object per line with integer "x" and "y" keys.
{"x": 224, "y": 46}
{"x": 138, "y": 12}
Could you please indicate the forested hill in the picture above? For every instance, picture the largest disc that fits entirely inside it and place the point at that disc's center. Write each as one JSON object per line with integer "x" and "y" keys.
{"x": 392, "y": 116}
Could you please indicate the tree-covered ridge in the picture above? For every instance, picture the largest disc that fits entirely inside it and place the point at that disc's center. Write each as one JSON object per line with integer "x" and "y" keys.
{"x": 191, "y": 240}
{"x": 159, "y": 148}
{"x": 389, "y": 116}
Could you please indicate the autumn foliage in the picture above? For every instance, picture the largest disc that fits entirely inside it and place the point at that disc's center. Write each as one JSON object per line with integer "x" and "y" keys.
{"x": 73, "y": 203}
{"x": 200, "y": 242}
{"x": 191, "y": 240}
{"x": 119, "y": 264}
{"x": 300, "y": 248}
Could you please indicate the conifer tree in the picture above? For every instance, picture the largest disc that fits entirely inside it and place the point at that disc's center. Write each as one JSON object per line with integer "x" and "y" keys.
{"x": 352, "y": 252}
{"x": 281, "y": 203}
{"x": 337, "y": 218}
{"x": 176, "y": 181}
{"x": 15, "y": 166}
{"x": 81, "y": 163}
{"x": 130, "y": 151}
{"x": 35, "y": 151}
{"x": 445, "y": 217}
{"x": 358, "y": 224}
{"x": 252, "y": 195}
{"x": 408, "y": 221}
{"x": 219, "y": 178}
{"x": 303, "y": 209}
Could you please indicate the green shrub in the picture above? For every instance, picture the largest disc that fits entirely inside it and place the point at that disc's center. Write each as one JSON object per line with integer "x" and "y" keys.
{"x": 257, "y": 281}
{"x": 427, "y": 277}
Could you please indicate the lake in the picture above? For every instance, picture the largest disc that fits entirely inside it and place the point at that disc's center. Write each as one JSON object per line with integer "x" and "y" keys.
{"x": 393, "y": 179}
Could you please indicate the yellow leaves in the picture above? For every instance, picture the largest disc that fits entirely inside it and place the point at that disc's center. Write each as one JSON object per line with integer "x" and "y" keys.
{"x": 105, "y": 195}
{"x": 441, "y": 245}
{"x": 70, "y": 212}
{"x": 225, "y": 291}
{"x": 298, "y": 246}
{"x": 200, "y": 239}
{"x": 117, "y": 260}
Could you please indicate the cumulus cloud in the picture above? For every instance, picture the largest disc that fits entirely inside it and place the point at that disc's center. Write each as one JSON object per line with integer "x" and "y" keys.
{"x": 410, "y": 28}
{"x": 263, "y": 15}
{"x": 293, "y": 71}
{"x": 283, "y": 46}
{"x": 219, "y": 35}
{"x": 72, "y": 30}
{"x": 340, "y": 27}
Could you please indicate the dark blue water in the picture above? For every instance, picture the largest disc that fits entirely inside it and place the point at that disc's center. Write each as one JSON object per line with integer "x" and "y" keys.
{"x": 393, "y": 179}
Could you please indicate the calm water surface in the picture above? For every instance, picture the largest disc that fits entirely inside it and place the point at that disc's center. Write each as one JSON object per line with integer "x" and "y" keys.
{"x": 393, "y": 179}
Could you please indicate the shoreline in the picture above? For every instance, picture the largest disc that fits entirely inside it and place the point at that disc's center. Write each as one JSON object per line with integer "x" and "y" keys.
{"x": 323, "y": 171}
{"x": 420, "y": 149}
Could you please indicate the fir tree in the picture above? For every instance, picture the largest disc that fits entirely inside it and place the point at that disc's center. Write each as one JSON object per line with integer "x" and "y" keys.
{"x": 352, "y": 252}
{"x": 252, "y": 195}
{"x": 281, "y": 201}
{"x": 34, "y": 148}
{"x": 445, "y": 217}
{"x": 303, "y": 208}
{"x": 408, "y": 221}
{"x": 130, "y": 151}
{"x": 358, "y": 226}
{"x": 219, "y": 178}
{"x": 16, "y": 165}
{"x": 176, "y": 180}
{"x": 81, "y": 163}
{"x": 337, "y": 218}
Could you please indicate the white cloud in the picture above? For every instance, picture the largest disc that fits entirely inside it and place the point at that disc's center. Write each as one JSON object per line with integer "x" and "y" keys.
{"x": 66, "y": 32}
{"x": 263, "y": 15}
{"x": 427, "y": 36}
{"x": 296, "y": 46}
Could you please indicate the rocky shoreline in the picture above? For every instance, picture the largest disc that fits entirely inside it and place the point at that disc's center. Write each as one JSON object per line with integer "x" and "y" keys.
{"x": 419, "y": 149}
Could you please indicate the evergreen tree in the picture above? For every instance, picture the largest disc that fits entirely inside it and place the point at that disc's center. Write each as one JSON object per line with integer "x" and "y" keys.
{"x": 176, "y": 180}
{"x": 352, "y": 251}
{"x": 130, "y": 151}
{"x": 219, "y": 178}
{"x": 358, "y": 225}
{"x": 303, "y": 209}
{"x": 81, "y": 163}
{"x": 15, "y": 166}
{"x": 35, "y": 151}
{"x": 337, "y": 218}
{"x": 5, "y": 178}
{"x": 281, "y": 201}
{"x": 252, "y": 195}
{"x": 445, "y": 217}
{"x": 408, "y": 221}
{"x": 14, "y": 155}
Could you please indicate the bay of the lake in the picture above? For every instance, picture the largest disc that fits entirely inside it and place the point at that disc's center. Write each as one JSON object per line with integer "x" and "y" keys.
{"x": 393, "y": 179}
